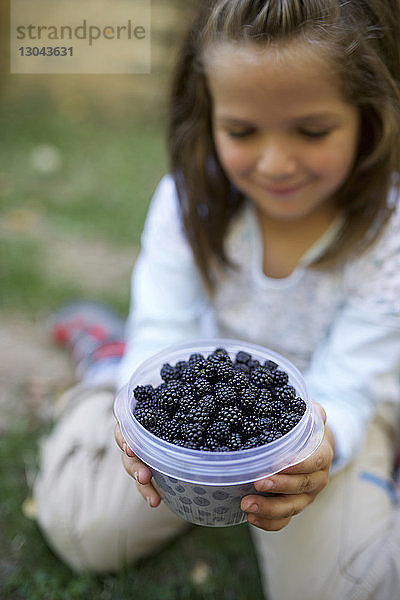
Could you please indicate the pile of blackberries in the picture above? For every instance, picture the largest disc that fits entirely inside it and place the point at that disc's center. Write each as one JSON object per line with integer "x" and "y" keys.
{"x": 218, "y": 404}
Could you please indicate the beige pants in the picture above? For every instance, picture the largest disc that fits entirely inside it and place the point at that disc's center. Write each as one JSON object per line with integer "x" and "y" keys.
{"x": 345, "y": 546}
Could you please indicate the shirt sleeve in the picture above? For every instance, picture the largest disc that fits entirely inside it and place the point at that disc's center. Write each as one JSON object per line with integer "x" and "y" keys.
{"x": 358, "y": 365}
{"x": 168, "y": 300}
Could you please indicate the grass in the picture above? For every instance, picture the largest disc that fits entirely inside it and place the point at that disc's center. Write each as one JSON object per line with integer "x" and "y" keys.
{"x": 100, "y": 189}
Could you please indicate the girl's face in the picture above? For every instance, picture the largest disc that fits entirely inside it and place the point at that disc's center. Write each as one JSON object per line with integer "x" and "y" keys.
{"x": 284, "y": 134}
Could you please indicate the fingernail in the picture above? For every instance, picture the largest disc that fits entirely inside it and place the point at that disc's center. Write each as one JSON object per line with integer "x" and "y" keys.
{"x": 264, "y": 485}
{"x": 124, "y": 448}
{"x": 251, "y": 508}
{"x": 148, "y": 501}
{"x": 128, "y": 451}
{"x": 136, "y": 476}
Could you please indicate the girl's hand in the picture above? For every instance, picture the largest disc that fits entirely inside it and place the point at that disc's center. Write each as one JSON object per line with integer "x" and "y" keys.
{"x": 299, "y": 485}
{"x": 138, "y": 470}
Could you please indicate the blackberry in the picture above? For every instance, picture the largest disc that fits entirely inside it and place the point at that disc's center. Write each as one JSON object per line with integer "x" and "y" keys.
{"x": 252, "y": 442}
{"x": 180, "y": 367}
{"x": 218, "y": 431}
{"x": 253, "y": 364}
{"x": 221, "y": 354}
{"x": 192, "y": 432}
{"x": 288, "y": 421}
{"x": 280, "y": 378}
{"x": 202, "y": 387}
{"x": 239, "y": 380}
{"x": 298, "y": 405}
{"x": 285, "y": 393}
{"x": 261, "y": 377}
{"x": 243, "y": 357}
{"x": 266, "y": 395}
{"x": 269, "y": 436}
{"x": 168, "y": 373}
{"x": 232, "y": 416}
{"x": 143, "y": 392}
{"x": 250, "y": 427}
{"x": 146, "y": 417}
{"x": 169, "y": 396}
{"x": 224, "y": 371}
{"x": 188, "y": 374}
{"x": 262, "y": 408}
{"x": 243, "y": 367}
{"x": 196, "y": 357}
{"x": 249, "y": 397}
{"x": 234, "y": 442}
{"x": 224, "y": 394}
{"x": 187, "y": 398}
{"x": 270, "y": 365}
{"x": 169, "y": 429}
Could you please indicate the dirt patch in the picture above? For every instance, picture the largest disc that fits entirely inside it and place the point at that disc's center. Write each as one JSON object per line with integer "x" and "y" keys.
{"x": 33, "y": 372}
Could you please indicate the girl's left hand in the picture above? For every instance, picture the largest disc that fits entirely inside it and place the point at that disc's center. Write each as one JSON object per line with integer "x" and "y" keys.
{"x": 299, "y": 486}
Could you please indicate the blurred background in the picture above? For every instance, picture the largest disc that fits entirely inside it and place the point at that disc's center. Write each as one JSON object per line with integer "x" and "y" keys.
{"x": 80, "y": 157}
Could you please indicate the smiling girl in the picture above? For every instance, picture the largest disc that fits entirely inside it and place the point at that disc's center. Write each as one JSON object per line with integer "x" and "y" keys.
{"x": 280, "y": 220}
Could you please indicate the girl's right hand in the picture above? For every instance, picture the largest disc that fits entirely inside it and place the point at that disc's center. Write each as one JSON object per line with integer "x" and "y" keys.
{"x": 138, "y": 470}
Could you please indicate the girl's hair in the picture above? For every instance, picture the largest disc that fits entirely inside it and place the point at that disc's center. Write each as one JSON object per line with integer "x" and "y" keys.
{"x": 361, "y": 39}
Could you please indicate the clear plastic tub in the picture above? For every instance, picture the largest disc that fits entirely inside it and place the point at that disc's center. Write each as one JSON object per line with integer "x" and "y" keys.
{"x": 206, "y": 488}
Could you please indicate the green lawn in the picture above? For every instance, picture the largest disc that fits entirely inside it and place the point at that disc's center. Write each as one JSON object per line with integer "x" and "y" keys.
{"x": 98, "y": 188}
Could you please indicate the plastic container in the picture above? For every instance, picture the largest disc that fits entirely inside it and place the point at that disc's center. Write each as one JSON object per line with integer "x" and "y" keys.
{"x": 206, "y": 488}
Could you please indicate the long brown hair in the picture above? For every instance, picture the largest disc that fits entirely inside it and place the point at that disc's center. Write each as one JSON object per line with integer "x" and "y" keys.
{"x": 361, "y": 38}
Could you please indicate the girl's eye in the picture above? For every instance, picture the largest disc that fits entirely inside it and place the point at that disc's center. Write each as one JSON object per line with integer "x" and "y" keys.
{"x": 240, "y": 133}
{"x": 314, "y": 134}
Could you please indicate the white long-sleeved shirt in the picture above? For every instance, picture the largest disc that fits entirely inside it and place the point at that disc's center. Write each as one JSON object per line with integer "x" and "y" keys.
{"x": 340, "y": 327}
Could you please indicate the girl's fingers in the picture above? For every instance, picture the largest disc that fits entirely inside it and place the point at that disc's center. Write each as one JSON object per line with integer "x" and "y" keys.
{"x": 274, "y": 509}
{"x": 138, "y": 470}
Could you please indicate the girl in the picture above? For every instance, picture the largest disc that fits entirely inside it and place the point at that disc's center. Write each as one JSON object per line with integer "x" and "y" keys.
{"x": 279, "y": 224}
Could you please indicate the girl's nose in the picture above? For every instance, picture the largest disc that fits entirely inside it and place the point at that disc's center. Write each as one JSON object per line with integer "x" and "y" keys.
{"x": 276, "y": 160}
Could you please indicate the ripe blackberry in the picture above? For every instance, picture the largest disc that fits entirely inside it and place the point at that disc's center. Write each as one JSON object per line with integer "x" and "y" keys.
{"x": 146, "y": 417}
{"x": 187, "y": 400}
{"x": 196, "y": 357}
{"x": 221, "y": 354}
{"x": 249, "y": 397}
{"x": 224, "y": 372}
{"x": 250, "y": 427}
{"x": 262, "y": 408}
{"x": 202, "y": 387}
{"x": 225, "y": 394}
{"x": 285, "y": 393}
{"x": 234, "y": 442}
{"x": 261, "y": 377}
{"x": 266, "y": 395}
{"x": 280, "y": 378}
{"x": 288, "y": 421}
{"x": 239, "y": 380}
{"x": 188, "y": 375}
{"x": 168, "y": 373}
{"x": 180, "y": 367}
{"x": 270, "y": 365}
{"x": 169, "y": 396}
{"x": 298, "y": 405}
{"x": 231, "y": 416}
{"x": 143, "y": 392}
{"x": 252, "y": 442}
{"x": 269, "y": 436}
{"x": 243, "y": 367}
{"x": 253, "y": 364}
{"x": 218, "y": 431}
{"x": 242, "y": 357}
{"x": 192, "y": 432}
{"x": 169, "y": 429}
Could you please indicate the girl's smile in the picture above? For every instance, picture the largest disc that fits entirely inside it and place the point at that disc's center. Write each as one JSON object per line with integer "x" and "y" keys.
{"x": 284, "y": 134}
